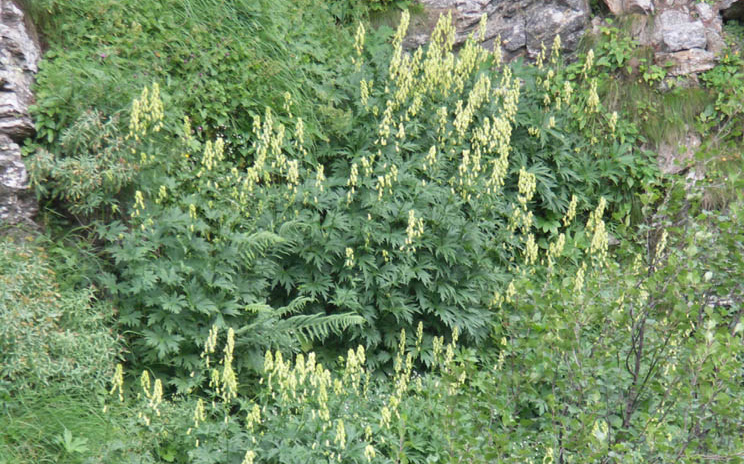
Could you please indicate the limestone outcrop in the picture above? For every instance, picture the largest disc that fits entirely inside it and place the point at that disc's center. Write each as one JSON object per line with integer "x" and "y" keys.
{"x": 686, "y": 35}
{"x": 522, "y": 26}
{"x": 19, "y": 57}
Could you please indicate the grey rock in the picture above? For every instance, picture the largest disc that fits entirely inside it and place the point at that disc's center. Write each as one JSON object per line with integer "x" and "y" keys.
{"x": 521, "y": 26}
{"x": 617, "y": 7}
{"x": 687, "y": 62}
{"x": 17, "y": 201}
{"x": 675, "y": 158}
{"x": 639, "y": 6}
{"x": 622, "y": 7}
{"x": 705, "y": 12}
{"x": 19, "y": 58}
{"x": 680, "y": 32}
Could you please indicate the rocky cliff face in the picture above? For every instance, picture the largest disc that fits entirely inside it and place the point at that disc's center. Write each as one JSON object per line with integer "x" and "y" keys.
{"x": 19, "y": 57}
{"x": 522, "y": 26}
{"x": 684, "y": 34}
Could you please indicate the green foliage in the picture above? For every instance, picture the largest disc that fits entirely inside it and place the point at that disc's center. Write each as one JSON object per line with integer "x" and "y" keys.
{"x": 48, "y": 335}
{"x": 380, "y": 5}
{"x": 219, "y": 62}
{"x": 607, "y": 362}
{"x": 91, "y": 168}
{"x": 56, "y": 353}
{"x": 408, "y": 213}
{"x": 192, "y": 257}
{"x": 642, "y": 364}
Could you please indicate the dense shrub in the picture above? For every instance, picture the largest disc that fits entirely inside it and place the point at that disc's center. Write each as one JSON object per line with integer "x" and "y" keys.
{"x": 218, "y": 62}
{"x": 49, "y": 335}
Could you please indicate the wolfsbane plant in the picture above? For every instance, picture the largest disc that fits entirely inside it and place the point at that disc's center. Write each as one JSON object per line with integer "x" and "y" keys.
{"x": 422, "y": 216}
{"x": 302, "y": 411}
{"x": 190, "y": 255}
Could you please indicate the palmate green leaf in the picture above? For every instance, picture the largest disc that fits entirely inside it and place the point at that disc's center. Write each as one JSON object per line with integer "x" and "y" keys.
{"x": 163, "y": 343}
{"x": 172, "y": 303}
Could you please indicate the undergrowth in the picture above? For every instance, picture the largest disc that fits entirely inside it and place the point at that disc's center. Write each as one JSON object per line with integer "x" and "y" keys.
{"x": 242, "y": 191}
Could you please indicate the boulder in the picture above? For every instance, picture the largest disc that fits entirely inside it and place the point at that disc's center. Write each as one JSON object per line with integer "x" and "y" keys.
{"x": 677, "y": 157}
{"x": 686, "y": 35}
{"x": 686, "y": 62}
{"x": 19, "y": 57}
{"x": 678, "y": 31}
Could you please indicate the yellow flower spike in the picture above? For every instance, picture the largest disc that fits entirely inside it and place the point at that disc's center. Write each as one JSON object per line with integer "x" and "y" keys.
{"x": 199, "y": 413}
{"x": 156, "y": 398}
{"x": 592, "y": 103}
{"x": 139, "y": 201}
{"x": 385, "y": 417}
{"x": 579, "y": 280}
{"x": 359, "y": 45}
{"x": 530, "y": 250}
{"x": 527, "y": 185}
{"x": 145, "y": 383}
{"x": 482, "y": 27}
{"x": 437, "y": 345}
{"x": 369, "y": 453}
{"x": 588, "y": 64}
{"x": 364, "y": 89}
{"x": 249, "y": 457}
{"x": 613, "y": 122}
{"x": 571, "y": 211}
{"x": 229, "y": 381}
{"x": 540, "y": 59}
{"x": 555, "y": 249}
{"x": 400, "y": 34}
{"x": 118, "y": 382}
{"x": 555, "y": 51}
{"x": 511, "y": 291}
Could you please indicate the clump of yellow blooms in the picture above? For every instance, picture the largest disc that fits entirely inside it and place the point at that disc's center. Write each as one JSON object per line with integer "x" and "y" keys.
{"x": 414, "y": 230}
{"x": 349, "y": 257}
{"x": 358, "y": 46}
{"x": 600, "y": 240}
{"x": 147, "y": 113}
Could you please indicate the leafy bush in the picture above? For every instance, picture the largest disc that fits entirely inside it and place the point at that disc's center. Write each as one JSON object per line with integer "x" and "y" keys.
{"x": 49, "y": 335}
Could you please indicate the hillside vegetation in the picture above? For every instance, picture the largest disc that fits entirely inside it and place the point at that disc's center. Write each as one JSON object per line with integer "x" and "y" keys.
{"x": 273, "y": 235}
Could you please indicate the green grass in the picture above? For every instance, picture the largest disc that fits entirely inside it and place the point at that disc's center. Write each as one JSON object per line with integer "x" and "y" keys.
{"x": 32, "y": 428}
{"x": 662, "y": 117}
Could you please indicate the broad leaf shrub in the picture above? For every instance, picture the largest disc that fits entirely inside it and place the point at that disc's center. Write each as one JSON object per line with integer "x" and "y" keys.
{"x": 95, "y": 166}
{"x": 190, "y": 255}
{"x": 607, "y": 362}
{"x": 49, "y": 336}
{"x": 412, "y": 215}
